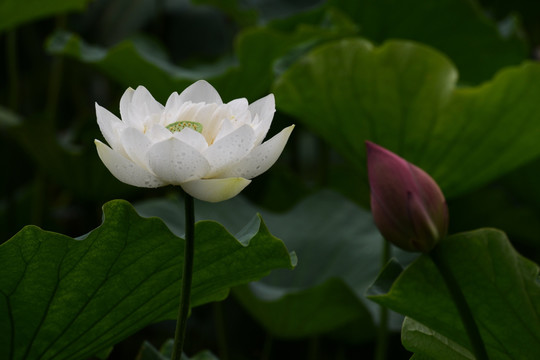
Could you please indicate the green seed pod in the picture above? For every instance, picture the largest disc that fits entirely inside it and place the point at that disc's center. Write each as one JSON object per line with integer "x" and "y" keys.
{"x": 181, "y": 125}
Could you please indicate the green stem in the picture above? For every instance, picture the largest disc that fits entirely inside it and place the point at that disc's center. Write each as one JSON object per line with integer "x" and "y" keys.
{"x": 381, "y": 350}
{"x": 479, "y": 349}
{"x": 187, "y": 274}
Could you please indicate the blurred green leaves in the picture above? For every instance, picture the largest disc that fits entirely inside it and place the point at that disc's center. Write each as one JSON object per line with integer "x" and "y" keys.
{"x": 77, "y": 168}
{"x": 338, "y": 251}
{"x": 13, "y": 12}
{"x": 71, "y": 298}
{"x": 403, "y": 96}
{"x": 309, "y": 310}
{"x": 8, "y": 118}
{"x": 459, "y": 29}
{"x": 132, "y": 62}
{"x": 502, "y": 289}
{"x": 141, "y": 61}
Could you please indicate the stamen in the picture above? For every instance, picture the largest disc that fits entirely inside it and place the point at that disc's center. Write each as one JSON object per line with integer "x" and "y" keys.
{"x": 180, "y": 125}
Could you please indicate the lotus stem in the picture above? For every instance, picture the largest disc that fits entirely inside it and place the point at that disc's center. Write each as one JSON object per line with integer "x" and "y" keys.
{"x": 478, "y": 346}
{"x": 187, "y": 274}
{"x": 381, "y": 350}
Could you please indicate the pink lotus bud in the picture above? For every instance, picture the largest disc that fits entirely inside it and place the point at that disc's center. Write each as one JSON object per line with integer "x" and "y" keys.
{"x": 407, "y": 204}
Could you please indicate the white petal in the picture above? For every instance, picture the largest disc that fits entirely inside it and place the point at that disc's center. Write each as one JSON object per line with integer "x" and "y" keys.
{"x": 109, "y": 125}
{"x": 201, "y": 91}
{"x": 215, "y": 190}
{"x": 126, "y": 170}
{"x": 264, "y": 107}
{"x": 171, "y": 101}
{"x": 230, "y": 149}
{"x": 185, "y": 113}
{"x": 130, "y": 116}
{"x": 175, "y": 162}
{"x": 171, "y": 110}
{"x": 142, "y": 96}
{"x": 138, "y": 106}
{"x": 216, "y": 123}
{"x": 192, "y": 138}
{"x": 136, "y": 145}
{"x": 125, "y": 104}
{"x": 264, "y": 110}
{"x": 238, "y": 106}
{"x": 261, "y": 158}
{"x": 204, "y": 115}
{"x": 239, "y": 113}
{"x": 225, "y": 128}
{"x": 158, "y": 133}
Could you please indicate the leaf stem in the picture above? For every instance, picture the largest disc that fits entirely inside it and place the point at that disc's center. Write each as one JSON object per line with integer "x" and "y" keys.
{"x": 381, "y": 349}
{"x": 187, "y": 274}
{"x": 478, "y": 346}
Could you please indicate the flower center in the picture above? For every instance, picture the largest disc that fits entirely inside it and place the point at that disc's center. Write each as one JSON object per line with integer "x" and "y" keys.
{"x": 181, "y": 125}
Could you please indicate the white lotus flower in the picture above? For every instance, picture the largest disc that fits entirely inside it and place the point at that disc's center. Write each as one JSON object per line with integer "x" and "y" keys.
{"x": 209, "y": 148}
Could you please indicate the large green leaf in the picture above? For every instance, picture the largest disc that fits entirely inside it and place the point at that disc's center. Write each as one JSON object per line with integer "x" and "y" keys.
{"x": 429, "y": 344}
{"x": 14, "y": 12}
{"x": 67, "y": 298}
{"x": 460, "y": 29}
{"x": 403, "y": 96}
{"x": 501, "y": 287}
{"x": 339, "y": 251}
{"x": 307, "y": 310}
{"x": 139, "y": 61}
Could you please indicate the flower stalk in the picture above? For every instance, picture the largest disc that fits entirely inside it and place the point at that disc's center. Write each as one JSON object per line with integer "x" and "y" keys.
{"x": 381, "y": 350}
{"x": 478, "y": 346}
{"x": 187, "y": 275}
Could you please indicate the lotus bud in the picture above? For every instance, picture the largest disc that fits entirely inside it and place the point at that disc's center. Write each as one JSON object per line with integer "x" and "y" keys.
{"x": 408, "y": 206}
